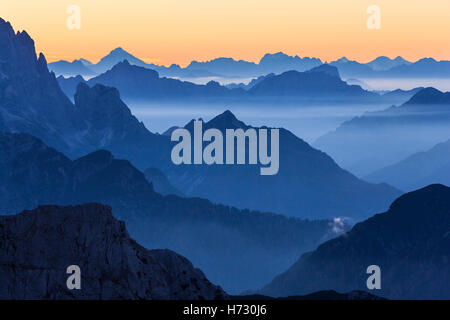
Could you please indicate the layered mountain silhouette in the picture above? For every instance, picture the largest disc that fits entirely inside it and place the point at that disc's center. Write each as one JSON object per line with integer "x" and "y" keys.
{"x": 39, "y": 245}
{"x": 384, "y": 63}
{"x": 400, "y": 96}
{"x": 219, "y": 67}
{"x": 410, "y": 243}
{"x": 379, "y": 139}
{"x": 139, "y": 83}
{"x": 249, "y": 85}
{"x": 142, "y": 83}
{"x": 231, "y": 246}
{"x": 308, "y": 184}
{"x": 323, "y": 80}
{"x": 280, "y": 62}
{"x": 381, "y": 67}
{"x": 114, "y": 57}
{"x": 396, "y": 68}
{"x": 69, "y": 69}
{"x": 418, "y": 170}
{"x": 352, "y": 69}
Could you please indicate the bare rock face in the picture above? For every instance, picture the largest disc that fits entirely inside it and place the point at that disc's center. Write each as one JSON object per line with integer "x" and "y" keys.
{"x": 37, "y": 246}
{"x": 30, "y": 98}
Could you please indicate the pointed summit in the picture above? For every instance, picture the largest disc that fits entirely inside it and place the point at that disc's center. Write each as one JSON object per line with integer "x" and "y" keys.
{"x": 343, "y": 60}
{"x": 384, "y": 63}
{"x": 327, "y": 69}
{"x": 225, "y": 120}
{"x": 114, "y": 57}
{"x": 430, "y": 96}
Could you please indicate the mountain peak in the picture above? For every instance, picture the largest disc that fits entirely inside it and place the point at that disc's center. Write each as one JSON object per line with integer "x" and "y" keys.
{"x": 343, "y": 60}
{"x": 399, "y": 58}
{"x": 422, "y": 200}
{"x": 277, "y": 57}
{"x": 225, "y": 120}
{"x": 6, "y": 26}
{"x": 428, "y": 96}
{"x": 327, "y": 69}
{"x": 118, "y": 50}
{"x": 115, "y": 56}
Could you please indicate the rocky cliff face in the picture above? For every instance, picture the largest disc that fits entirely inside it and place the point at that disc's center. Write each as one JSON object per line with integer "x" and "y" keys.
{"x": 30, "y": 98}
{"x": 37, "y": 246}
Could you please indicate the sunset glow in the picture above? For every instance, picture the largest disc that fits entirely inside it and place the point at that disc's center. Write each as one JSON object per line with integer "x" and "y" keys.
{"x": 178, "y": 31}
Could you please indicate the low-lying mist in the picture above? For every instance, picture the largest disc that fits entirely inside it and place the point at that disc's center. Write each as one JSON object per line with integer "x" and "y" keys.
{"x": 307, "y": 120}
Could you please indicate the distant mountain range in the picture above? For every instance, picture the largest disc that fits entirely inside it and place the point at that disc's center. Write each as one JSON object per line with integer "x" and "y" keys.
{"x": 379, "y": 139}
{"x": 220, "y": 67}
{"x": 74, "y": 68}
{"x": 323, "y": 80}
{"x": 384, "y": 63}
{"x": 418, "y": 170}
{"x": 381, "y": 67}
{"x": 308, "y": 184}
{"x": 39, "y": 245}
{"x": 55, "y": 151}
{"x": 138, "y": 83}
{"x": 410, "y": 243}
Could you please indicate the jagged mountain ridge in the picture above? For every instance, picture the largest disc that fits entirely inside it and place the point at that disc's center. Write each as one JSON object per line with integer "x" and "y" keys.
{"x": 306, "y": 177}
{"x": 103, "y": 121}
{"x": 137, "y": 83}
{"x": 231, "y": 246}
{"x": 380, "y": 67}
{"x": 39, "y": 245}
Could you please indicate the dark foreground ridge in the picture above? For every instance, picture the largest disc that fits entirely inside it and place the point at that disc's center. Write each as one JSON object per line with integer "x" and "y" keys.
{"x": 37, "y": 246}
{"x": 410, "y": 243}
{"x": 317, "y": 296}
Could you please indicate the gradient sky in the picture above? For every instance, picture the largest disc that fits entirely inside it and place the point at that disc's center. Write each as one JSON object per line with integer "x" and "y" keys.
{"x": 178, "y": 31}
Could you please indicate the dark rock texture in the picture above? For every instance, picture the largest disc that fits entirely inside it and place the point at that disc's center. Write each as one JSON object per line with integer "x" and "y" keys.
{"x": 37, "y": 246}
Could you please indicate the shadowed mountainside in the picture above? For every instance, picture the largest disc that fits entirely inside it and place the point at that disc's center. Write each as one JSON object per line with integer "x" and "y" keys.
{"x": 39, "y": 245}
{"x": 231, "y": 246}
{"x": 410, "y": 243}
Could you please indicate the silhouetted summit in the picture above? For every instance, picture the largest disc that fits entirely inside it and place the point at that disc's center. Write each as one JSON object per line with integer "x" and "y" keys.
{"x": 430, "y": 96}
{"x": 410, "y": 243}
{"x": 226, "y": 243}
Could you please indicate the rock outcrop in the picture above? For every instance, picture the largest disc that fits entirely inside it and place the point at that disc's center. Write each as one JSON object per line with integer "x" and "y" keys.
{"x": 38, "y": 246}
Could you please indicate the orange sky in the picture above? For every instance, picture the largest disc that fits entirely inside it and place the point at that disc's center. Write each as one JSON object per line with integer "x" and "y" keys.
{"x": 178, "y": 31}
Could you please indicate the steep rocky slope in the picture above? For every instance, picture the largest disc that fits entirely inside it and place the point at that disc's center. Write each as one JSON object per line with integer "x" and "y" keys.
{"x": 37, "y": 246}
